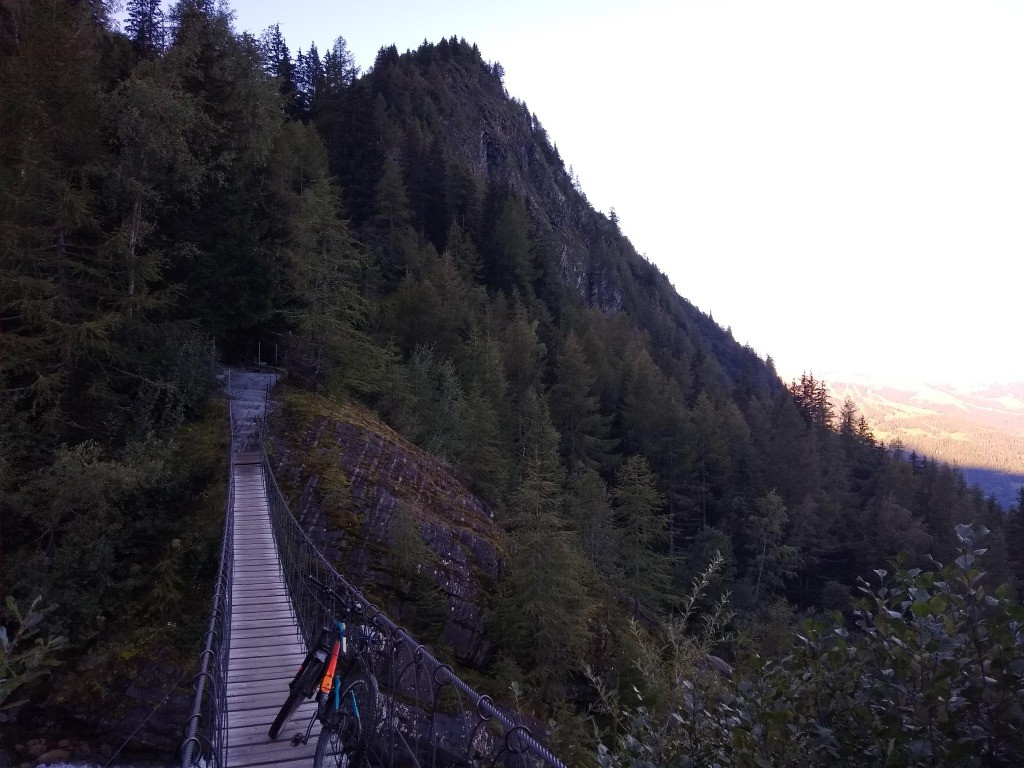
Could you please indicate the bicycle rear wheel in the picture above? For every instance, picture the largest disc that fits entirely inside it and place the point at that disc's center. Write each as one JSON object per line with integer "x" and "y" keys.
{"x": 348, "y": 730}
{"x": 304, "y": 682}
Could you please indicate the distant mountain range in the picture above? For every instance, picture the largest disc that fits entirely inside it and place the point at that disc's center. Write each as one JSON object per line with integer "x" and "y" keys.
{"x": 978, "y": 428}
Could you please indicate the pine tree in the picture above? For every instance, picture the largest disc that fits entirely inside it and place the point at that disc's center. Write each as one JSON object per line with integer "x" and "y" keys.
{"x": 309, "y": 81}
{"x": 508, "y": 262}
{"x": 224, "y": 252}
{"x": 710, "y": 458}
{"x": 772, "y": 560}
{"x": 145, "y": 27}
{"x": 544, "y": 616}
{"x": 574, "y": 407}
{"x": 326, "y": 308}
{"x": 588, "y": 510}
{"x": 642, "y": 535}
{"x": 395, "y": 237}
{"x": 646, "y": 400}
{"x": 153, "y": 121}
{"x": 340, "y": 70}
{"x": 278, "y": 64}
{"x": 52, "y": 328}
{"x": 524, "y": 356}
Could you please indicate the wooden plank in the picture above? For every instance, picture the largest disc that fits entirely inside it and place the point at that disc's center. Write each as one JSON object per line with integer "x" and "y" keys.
{"x": 277, "y": 613}
{"x": 260, "y": 693}
{"x": 256, "y": 732}
{"x": 253, "y": 612}
{"x": 269, "y": 602}
{"x": 274, "y": 595}
{"x": 243, "y": 665}
{"x": 245, "y": 654}
{"x": 257, "y": 758}
{"x": 251, "y": 584}
{"x": 266, "y": 648}
{"x": 255, "y": 589}
{"x": 277, "y": 671}
{"x": 258, "y": 717}
{"x": 267, "y": 643}
{"x": 277, "y": 620}
{"x": 254, "y": 634}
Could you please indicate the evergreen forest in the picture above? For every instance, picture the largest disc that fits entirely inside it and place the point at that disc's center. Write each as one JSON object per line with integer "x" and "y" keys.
{"x": 704, "y": 565}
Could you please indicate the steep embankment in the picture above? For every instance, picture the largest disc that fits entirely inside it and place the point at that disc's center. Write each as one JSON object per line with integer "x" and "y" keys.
{"x": 394, "y": 519}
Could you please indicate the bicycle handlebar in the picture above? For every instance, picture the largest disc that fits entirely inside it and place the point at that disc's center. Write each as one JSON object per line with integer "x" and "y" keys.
{"x": 352, "y": 610}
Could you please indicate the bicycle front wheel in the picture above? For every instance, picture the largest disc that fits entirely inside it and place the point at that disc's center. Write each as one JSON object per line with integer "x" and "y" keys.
{"x": 348, "y": 730}
{"x": 303, "y": 683}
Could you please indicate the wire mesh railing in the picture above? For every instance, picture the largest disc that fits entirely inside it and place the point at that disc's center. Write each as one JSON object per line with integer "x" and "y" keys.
{"x": 427, "y": 715}
{"x": 205, "y": 738}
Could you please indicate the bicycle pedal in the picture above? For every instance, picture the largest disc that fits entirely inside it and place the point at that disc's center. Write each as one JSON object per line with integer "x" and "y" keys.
{"x": 296, "y": 739}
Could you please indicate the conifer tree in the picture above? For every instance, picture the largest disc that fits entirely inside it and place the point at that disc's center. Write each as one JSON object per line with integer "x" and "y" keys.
{"x": 153, "y": 120}
{"x": 642, "y": 535}
{"x": 575, "y": 410}
{"x": 395, "y": 237}
{"x": 340, "y": 70}
{"x": 309, "y": 81}
{"x": 52, "y": 327}
{"x": 589, "y": 512}
{"x": 463, "y": 198}
{"x": 508, "y": 264}
{"x": 325, "y": 306}
{"x": 278, "y": 64}
{"x": 544, "y": 616}
{"x": 145, "y": 27}
{"x": 709, "y": 458}
{"x": 536, "y": 439}
{"x": 646, "y": 401}
{"x": 772, "y": 560}
{"x": 224, "y": 253}
{"x": 524, "y": 356}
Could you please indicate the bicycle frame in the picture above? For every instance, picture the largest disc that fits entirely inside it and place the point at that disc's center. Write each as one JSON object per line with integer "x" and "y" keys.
{"x": 329, "y": 681}
{"x": 349, "y": 690}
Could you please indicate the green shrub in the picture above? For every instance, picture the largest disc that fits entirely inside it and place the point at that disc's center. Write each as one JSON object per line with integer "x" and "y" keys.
{"x": 932, "y": 674}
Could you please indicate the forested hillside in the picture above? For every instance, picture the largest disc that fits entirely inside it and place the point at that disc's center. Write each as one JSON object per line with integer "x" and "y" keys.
{"x": 178, "y": 196}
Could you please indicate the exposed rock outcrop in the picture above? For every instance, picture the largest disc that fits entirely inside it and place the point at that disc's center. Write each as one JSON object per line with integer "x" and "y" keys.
{"x": 391, "y": 483}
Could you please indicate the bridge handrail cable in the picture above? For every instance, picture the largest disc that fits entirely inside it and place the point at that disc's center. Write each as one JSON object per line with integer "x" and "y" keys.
{"x": 205, "y": 731}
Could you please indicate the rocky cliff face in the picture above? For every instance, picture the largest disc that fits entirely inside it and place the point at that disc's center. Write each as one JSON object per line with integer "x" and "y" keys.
{"x": 394, "y": 520}
{"x": 447, "y": 102}
{"x": 502, "y": 140}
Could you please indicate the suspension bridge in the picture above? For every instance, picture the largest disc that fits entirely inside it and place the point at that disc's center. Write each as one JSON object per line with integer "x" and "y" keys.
{"x": 264, "y": 617}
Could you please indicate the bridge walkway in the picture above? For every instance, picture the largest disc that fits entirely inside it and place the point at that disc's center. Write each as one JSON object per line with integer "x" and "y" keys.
{"x": 266, "y": 647}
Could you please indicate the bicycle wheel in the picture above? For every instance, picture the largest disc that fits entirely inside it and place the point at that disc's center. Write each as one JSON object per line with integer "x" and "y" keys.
{"x": 304, "y": 682}
{"x": 348, "y": 730}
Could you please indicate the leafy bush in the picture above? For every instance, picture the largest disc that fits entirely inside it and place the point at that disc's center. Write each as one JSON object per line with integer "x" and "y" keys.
{"x": 932, "y": 674}
{"x": 24, "y": 656}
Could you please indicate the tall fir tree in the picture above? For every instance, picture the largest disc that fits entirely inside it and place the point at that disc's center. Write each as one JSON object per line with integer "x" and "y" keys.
{"x": 576, "y": 412}
{"x": 642, "y": 536}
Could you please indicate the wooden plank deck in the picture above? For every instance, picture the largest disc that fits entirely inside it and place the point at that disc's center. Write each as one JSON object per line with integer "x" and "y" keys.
{"x": 266, "y": 648}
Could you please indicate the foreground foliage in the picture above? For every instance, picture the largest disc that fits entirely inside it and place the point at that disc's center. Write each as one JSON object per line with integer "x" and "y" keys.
{"x": 931, "y": 673}
{"x": 24, "y": 655}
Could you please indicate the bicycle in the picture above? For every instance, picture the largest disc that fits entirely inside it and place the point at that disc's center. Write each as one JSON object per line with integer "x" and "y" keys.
{"x": 346, "y": 702}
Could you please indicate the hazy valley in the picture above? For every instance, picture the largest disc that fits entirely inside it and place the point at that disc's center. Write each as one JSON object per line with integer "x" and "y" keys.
{"x": 977, "y": 428}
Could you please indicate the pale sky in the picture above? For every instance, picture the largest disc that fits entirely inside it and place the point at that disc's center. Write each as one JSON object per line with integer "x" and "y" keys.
{"x": 841, "y": 183}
